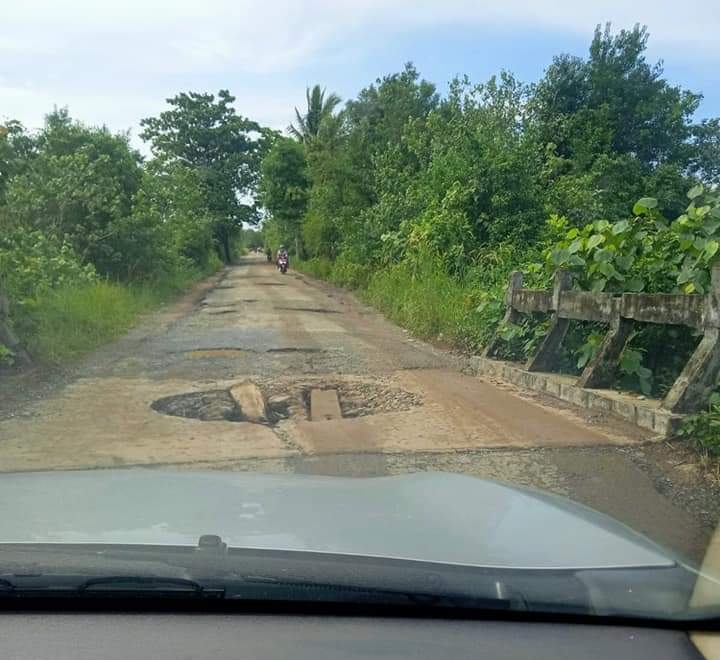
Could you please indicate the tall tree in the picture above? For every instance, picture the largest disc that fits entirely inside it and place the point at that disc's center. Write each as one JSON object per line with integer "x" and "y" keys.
{"x": 318, "y": 110}
{"x": 284, "y": 187}
{"x": 205, "y": 133}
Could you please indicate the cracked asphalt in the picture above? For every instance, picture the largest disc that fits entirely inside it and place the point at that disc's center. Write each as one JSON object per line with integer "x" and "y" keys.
{"x": 407, "y": 406}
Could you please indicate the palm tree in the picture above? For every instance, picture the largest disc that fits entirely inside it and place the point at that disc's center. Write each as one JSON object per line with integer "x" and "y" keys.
{"x": 318, "y": 109}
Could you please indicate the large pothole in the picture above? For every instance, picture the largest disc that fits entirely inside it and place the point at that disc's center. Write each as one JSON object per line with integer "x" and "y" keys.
{"x": 283, "y": 399}
{"x": 220, "y": 406}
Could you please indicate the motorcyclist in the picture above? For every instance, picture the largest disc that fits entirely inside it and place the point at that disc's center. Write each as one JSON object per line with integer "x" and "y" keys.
{"x": 268, "y": 254}
{"x": 282, "y": 252}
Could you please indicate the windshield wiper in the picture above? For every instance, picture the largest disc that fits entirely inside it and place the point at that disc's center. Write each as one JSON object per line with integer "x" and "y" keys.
{"x": 112, "y": 585}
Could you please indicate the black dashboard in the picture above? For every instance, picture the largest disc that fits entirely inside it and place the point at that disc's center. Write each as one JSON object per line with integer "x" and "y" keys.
{"x": 83, "y": 636}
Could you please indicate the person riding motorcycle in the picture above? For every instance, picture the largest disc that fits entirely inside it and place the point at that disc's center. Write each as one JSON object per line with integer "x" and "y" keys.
{"x": 282, "y": 252}
{"x": 268, "y": 254}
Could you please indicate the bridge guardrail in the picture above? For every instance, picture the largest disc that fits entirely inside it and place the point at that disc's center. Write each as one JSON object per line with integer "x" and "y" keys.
{"x": 621, "y": 311}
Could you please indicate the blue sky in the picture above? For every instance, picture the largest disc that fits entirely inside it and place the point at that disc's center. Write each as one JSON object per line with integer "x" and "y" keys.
{"x": 116, "y": 62}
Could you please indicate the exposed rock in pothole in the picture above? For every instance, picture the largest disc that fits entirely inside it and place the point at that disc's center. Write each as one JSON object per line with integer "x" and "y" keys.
{"x": 212, "y": 406}
{"x": 358, "y": 397}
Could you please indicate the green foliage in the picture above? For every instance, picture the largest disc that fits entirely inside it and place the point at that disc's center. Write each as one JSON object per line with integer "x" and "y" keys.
{"x": 32, "y": 263}
{"x": 703, "y": 430}
{"x": 7, "y": 356}
{"x": 521, "y": 340}
{"x": 284, "y": 188}
{"x": 76, "y": 206}
{"x": 644, "y": 253}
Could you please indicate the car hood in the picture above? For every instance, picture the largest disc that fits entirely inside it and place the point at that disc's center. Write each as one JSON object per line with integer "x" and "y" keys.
{"x": 435, "y": 517}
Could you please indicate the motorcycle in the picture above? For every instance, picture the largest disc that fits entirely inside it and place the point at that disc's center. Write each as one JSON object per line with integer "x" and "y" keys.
{"x": 282, "y": 264}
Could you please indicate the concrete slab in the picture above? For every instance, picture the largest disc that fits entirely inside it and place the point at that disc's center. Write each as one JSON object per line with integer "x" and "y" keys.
{"x": 324, "y": 405}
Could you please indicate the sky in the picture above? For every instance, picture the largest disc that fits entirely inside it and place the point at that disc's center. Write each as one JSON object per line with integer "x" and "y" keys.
{"x": 116, "y": 62}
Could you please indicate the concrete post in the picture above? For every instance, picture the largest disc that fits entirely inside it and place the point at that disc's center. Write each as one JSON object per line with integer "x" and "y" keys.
{"x": 511, "y": 314}
{"x": 691, "y": 390}
{"x": 546, "y": 355}
{"x": 600, "y": 371}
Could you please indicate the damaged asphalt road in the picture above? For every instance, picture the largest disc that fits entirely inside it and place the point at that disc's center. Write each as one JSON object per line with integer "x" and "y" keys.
{"x": 227, "y": 378}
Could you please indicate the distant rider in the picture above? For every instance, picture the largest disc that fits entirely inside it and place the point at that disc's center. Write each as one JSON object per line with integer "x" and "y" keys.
{"x": 282, "y": 252}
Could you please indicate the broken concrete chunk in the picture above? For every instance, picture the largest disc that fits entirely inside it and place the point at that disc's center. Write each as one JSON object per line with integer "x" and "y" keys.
{"x": 250, "y": 399}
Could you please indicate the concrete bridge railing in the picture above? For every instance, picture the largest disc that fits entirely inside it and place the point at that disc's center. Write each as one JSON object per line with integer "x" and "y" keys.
{"x": 620, "y": 312}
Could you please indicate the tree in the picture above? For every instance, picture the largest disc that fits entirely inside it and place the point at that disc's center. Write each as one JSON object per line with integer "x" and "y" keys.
{"x": 224, "y": 148}
{"x": 79, "y": 185}
{"x": 608, "y": 122}
{"x": 284, "y": 187}
{"x": 318, "y": 110}
{"x": 16, "y": 149}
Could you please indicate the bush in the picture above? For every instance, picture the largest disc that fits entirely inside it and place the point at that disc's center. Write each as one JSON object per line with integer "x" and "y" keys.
{"x": 703, "y": 430}
{"x": 31, "y": 262}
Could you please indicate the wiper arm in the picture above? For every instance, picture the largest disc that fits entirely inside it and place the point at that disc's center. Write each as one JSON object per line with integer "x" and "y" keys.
{"x": 111, "y": 585}
{"x": 132, "y": 584}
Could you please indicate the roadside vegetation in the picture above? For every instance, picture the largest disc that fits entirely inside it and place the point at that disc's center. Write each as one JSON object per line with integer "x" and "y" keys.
{"x": 426, "y": 202}
{"x": 92, "y": 234}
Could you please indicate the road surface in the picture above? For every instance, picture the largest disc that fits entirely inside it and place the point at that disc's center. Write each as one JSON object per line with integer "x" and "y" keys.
{"x": 254, "y": 370}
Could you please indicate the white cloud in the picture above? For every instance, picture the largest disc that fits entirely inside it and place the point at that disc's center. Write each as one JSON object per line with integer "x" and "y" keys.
{"x": 116, "y": 61}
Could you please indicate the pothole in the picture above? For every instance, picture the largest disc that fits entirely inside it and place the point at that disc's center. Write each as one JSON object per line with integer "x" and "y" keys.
{"x": 220, "y": 406}
{"x": 216, "y": 311}
{"x": 270, "y": 284}
{"x": 282, "y": 399}
{"x": 295, "y": 349}
{"x": 210, "y": 353}
{"x": 314, "y": 310}
{"x": 211, "y": 406}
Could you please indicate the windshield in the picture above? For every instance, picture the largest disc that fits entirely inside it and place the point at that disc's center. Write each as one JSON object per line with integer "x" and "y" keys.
{"x": 412, "y": 301}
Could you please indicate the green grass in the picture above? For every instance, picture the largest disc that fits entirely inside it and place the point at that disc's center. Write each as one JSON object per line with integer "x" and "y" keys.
{"x": 430, "y": 303}
{"x": 66, "y": 322}
{"x": 427, "y": 300}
